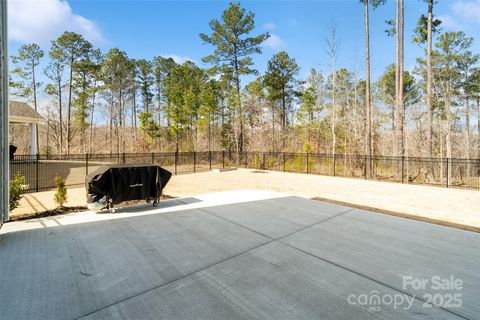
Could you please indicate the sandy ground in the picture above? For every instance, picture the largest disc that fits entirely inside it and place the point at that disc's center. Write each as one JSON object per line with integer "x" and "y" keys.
{"x": 450, "y": 205}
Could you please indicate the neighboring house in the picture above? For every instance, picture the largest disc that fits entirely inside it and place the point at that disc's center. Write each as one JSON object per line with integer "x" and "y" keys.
{"x": 22, "y": 113}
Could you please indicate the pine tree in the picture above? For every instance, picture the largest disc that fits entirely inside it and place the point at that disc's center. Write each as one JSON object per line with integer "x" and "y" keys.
{"x": 26, "y": 62}
{"x": 281, "y": 80}
{"x": 451, "y": 47}
{"x": 118, "y": 72}
{"x": 145, "y": 81}
{"x": 233, "y": 51}
{"x": 368, "y": 93}
{"x": 161, "y": 69}
{"x": 427, "y": 26}
{"x": 54, "y": 71}
{"x": 71, "y": 46}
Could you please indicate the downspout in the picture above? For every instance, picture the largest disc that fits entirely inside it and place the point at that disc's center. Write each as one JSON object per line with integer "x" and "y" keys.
{"x": 4, "y": 173}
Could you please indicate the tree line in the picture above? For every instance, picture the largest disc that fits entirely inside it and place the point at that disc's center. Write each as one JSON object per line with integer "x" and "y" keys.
{"x": 107, "y": 102}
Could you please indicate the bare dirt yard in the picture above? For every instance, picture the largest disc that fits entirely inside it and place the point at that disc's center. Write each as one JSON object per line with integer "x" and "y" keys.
{"x": 455, "y": 207}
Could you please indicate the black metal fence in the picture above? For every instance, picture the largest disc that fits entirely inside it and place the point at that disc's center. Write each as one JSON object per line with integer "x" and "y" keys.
{"x": 40, "y": 170}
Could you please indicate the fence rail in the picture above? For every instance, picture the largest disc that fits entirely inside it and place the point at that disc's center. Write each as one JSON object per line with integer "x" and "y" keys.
{"x": 40, "y": 170}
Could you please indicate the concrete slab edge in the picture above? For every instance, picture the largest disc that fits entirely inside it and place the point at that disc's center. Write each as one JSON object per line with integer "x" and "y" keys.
{"x": 402, "y": 215}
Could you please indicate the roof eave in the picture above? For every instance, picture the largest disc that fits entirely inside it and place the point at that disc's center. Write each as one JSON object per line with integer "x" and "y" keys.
{"x": 19, "y": 119}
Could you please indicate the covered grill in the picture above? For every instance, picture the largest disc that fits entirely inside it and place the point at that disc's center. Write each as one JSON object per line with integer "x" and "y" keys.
{"x": 112, "y": 184}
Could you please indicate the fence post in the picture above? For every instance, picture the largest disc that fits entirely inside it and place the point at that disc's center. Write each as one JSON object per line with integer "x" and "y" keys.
{"x": 307, "y": 162}
{"x": 223, "y": 158}
{"x": 194, "y": 165}
{"x": 263, "y": 153}
{"x": 366, "y": 167}
{"x": 86, "y": 163}
{"x": 334, "y": 165}
{"x": 176, "y": 156}
{"x": 284, "y": 162}
{"x": 210, "y": 159}
{"x": 153, "y": 158}
{"x": 123, "y": 157}
{"x": 403, "y": 167}
{"x": 448, "y": 171}
{"x": 36, "y": 173}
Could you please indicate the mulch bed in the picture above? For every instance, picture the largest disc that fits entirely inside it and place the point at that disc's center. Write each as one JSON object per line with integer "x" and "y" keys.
{"x": 65, "y": 210}
{"x": 48, "y": 213}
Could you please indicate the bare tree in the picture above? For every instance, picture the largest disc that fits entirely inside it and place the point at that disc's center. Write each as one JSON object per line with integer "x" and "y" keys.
{"x": 399, "y": 106}
{"x": 478, "y": 126}
{"x": 429, "y": 97}
{"x": 368, "y": 98}
{"x": 333, "y": 46}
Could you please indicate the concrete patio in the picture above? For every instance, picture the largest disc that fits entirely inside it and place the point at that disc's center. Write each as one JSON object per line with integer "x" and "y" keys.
{"x": 233, "y": 255}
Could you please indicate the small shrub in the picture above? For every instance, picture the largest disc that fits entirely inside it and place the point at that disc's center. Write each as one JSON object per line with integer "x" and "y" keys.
{"x": 307, "y": 148}
{"x": 17, "y": 185}
{"x": 61, "y": 191}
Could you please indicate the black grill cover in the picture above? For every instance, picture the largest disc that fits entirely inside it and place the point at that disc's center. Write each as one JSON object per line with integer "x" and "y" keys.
{"x": 124, "y": 182}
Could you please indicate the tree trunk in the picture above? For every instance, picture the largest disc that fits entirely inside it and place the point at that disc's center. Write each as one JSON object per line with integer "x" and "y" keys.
{"x": 318, "y": 131}
{"x": 84, "y": 109}
{"x": 467, "y": 138}
{"x": 69, "y": 108}
{"x": 400, "y": 84}
{"x": 393, "y": 129}
{"x": 441, "y": 154}
{"x": 399, "y": 108}
{"x": 134, "y": 117}
{"x": 273, "y": 128}
{"x": 119, "y": 122}
{"x": 122, "y": 122}
{"x": 48, "y": 133}
{"x": 467, "y": 128}
{"x": 159, "y": 108}
{"x": 176, "y": 140}
{"x": 282, "y": 113}
{"x": 478, "y": 128}
{"x": 60, "y": 114}
{"x": 448, "y": 104}
{"x": 429, "y": 81}
{"x": 209, "y": 132}
{"x": 284, "y": 119}
{"x": 35, "y": 103}
{"x": 397, "y": 77}
{"x": 110, "y": 128}
{"x": 240, "y": 111}
{"x": 368, "y": 99}
{"x": 334, "y": 138}
{"x": 355, "y": 116}
{"x": 91, "y": 116}
{"x": 310, "y": 124}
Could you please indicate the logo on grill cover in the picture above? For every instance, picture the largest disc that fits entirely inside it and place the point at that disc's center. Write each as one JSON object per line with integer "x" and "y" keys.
{"x": 136, "y": 185}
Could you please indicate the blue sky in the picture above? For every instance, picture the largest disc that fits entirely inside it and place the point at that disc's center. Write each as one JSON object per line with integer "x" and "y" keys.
{"x": 148, "y": 28}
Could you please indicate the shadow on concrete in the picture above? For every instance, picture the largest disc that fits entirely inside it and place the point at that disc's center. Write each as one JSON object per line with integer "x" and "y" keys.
{"x": 142, "y": 207}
